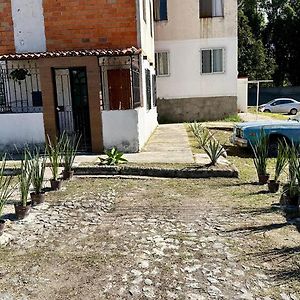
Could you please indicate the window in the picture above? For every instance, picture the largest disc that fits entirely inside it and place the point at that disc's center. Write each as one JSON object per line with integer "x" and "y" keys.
{"x": 160, "y": 10}
{"x": 211, "y": 8}
{"x": 154, "y": 90}
{"x": 2, "y": 91}
{"x": 212, "y": 61}
{"x": 148, "y": 89}
{"x": 162, "y": 63}
{"x": 136, "y": 88}
{"x": 151, "y": 19}
{"x": 144, "y": 11}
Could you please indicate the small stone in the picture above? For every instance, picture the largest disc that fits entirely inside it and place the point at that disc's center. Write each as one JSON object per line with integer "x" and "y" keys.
{"x": 148, "y": 281}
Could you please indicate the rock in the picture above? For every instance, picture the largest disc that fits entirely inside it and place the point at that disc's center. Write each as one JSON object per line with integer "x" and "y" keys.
{"x": 144, "y": 264}
{"x": 148, "y": 281}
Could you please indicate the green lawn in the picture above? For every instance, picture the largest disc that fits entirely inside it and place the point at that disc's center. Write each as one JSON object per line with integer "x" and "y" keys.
{"x": 252, "y": 109}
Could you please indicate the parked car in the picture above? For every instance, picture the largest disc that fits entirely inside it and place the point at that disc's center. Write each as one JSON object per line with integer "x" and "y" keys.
{"x": 281, "y": 105}
{"x": 245, "y": 134}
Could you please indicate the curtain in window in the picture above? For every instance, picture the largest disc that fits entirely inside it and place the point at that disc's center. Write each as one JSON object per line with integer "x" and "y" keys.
{"x": 217, "y": 8}
{"x": 162, "y": 63}
{"x": 160, "y": 10}
{"x": 205, "y": 8}
{"x": 218, "y": 60}
{"x": 206, "y": 61}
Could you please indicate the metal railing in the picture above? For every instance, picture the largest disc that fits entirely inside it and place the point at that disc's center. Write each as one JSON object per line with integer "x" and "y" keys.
{"x": 20, "y": 88}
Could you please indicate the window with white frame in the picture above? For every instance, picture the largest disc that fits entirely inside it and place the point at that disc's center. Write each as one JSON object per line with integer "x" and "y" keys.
{"x": 162, "y": 63}
{"x": 212, "y": 61}
{"x": 211, "y": 8}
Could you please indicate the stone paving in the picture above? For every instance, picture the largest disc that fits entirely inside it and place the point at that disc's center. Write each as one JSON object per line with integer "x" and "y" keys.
{"x": 125, "y": 247}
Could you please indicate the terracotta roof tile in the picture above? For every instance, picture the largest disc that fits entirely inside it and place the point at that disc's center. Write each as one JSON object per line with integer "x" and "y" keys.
{"x": 71, "y": 53}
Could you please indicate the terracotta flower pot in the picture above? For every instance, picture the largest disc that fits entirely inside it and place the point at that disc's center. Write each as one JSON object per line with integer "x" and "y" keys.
{"x": 22, "y": 211}
{"x": 37, "y": 199}
{"x": 2, "y": 225}
{"x": 67, "y": 175}
{"x": 273, "y": 186}
{"x": 55, "y": 184}
{"x": 263, "y": 179}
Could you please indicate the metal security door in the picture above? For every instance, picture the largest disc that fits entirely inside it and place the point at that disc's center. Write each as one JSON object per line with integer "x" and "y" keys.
{"x": 72, "y": 104}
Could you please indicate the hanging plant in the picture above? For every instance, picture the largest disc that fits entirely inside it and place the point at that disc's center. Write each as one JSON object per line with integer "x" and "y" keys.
{"x": 19, "y": 74}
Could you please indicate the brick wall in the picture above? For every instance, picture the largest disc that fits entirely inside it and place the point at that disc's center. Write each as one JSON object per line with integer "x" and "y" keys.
{"x": 87, "y": 24}
{"x": 6, "y": 28}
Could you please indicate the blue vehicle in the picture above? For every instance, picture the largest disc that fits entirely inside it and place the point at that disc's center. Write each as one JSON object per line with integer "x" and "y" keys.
{"x": 245, "y": 134}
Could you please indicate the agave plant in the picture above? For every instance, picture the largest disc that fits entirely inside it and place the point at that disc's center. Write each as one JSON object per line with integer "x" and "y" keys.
{"x": 54, "y": 151}
{"x": 214, "y": 150}
{"x": 201, "y": 133}
{"x": 114, "y": 157}
{"x": 25, "y": 177}
{"x": 6, "y": 189}
{"x": 282, "y": 160}
{"x": 260, "y": 159}
{"x": 70, "y": 147}
{"x": 38, "y": 166}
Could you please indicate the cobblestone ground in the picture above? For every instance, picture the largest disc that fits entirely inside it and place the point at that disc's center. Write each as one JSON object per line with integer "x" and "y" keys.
{"x": 151, "y": 239}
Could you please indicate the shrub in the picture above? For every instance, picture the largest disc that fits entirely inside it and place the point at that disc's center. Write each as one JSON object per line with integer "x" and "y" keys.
{"x": 114, "y": 157}
{"x": 214, "y": 150}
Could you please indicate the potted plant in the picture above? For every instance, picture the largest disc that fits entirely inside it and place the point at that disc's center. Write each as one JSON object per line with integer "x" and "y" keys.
{"x": 22, "y": 208}
{"x": 54, "y": 151}
{"x": 70, "y": 147}
{"x": 281, "y": 163}
{"x": 291, "y": 190}
{"x": 260, "y": 159}
{"x": 6, "y": 191}
{"x": 38, "y": 166}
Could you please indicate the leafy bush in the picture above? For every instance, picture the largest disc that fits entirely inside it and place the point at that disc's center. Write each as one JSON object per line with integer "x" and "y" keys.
{"x": 114, "y": 157}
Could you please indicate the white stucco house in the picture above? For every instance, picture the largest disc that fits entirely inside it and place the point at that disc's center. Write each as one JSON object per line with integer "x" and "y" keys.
{"x": 196, "y": 59}
{"x": 89, "y": 72}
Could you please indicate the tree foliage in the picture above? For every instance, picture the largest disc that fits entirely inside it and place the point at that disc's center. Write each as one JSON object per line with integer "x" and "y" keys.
{"x": 269, "y": 39}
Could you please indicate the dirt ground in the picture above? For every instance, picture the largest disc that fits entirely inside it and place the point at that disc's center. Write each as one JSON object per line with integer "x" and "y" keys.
{"x": 155, "y": 239}
{"x": 159, "y": 239}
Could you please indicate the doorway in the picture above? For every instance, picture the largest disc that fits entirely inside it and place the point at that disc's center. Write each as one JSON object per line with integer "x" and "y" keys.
{"x": 72, "y": 104}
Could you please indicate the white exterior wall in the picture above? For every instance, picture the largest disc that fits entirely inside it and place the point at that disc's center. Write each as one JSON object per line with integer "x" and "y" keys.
{"x": 183, "y": 36}
{"x": 242, "y": 94}
{"x": 29, "y": 28}
{"x": 120, "y": 130}
{"x": 186, "y": 80}
{"x": 129, "y": 130}
{"x": 21, "y": 129}
{"x": 146, "y": 41}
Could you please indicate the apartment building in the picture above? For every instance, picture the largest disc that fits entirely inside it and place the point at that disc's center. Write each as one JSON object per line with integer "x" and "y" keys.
{"x": 196, "y": 59}
{"x": 78, "y": 66}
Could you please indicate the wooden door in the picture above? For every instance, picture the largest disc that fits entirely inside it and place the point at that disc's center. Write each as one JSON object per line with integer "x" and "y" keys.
{"x": 119, "y": 89}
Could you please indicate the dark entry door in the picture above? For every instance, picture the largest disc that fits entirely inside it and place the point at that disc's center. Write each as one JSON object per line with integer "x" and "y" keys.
{"x": 119, "y": 89}
{"x": 73, "y": 105}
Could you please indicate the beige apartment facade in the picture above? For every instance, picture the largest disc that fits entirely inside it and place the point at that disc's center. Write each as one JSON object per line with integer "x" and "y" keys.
{"x": 196, "y": 59}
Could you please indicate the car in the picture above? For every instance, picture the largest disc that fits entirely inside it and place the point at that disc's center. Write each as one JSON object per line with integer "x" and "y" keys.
{"x": 246, "y": 134}
{"x": 281, "y": 105}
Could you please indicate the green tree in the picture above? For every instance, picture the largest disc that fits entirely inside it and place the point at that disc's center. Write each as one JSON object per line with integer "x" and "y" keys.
{"x": 254, "y": 61}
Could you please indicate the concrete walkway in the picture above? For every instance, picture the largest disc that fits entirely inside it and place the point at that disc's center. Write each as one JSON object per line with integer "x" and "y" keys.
{"x": 168, "y": 144}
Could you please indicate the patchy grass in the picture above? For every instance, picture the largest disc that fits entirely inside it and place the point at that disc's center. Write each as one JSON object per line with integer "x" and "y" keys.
{"x": 232, "y": 118}
{"x": 252, "y": 110}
